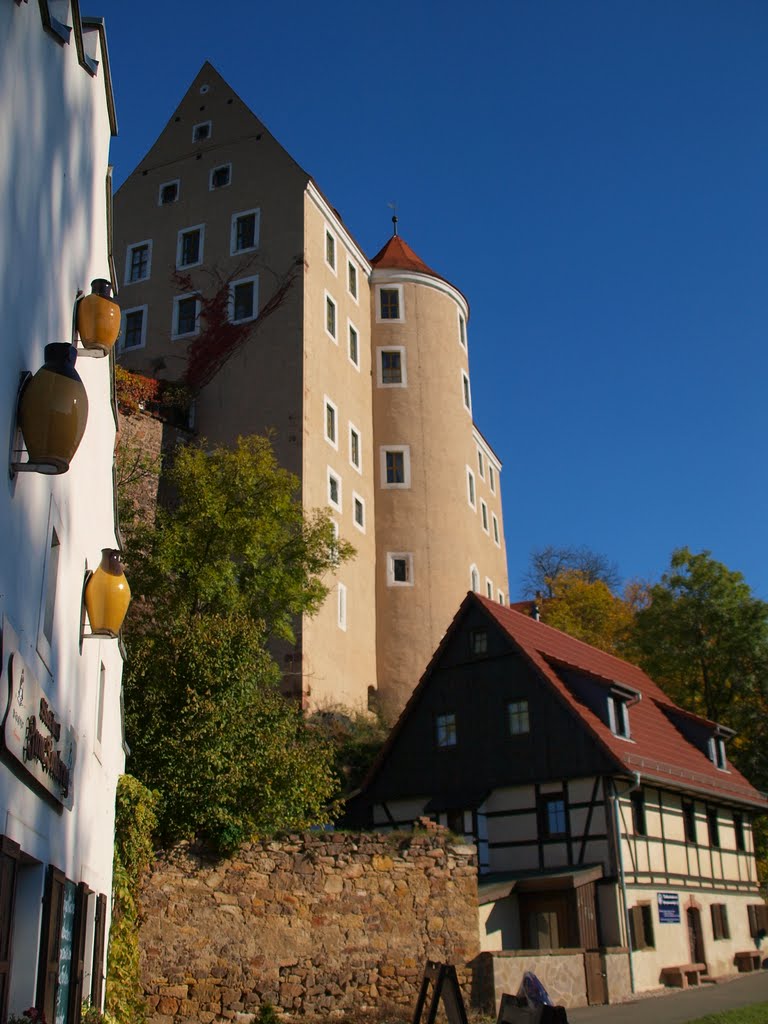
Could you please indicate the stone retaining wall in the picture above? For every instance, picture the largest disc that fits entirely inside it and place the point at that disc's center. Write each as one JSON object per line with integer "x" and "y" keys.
{"x": 316, "y": 924}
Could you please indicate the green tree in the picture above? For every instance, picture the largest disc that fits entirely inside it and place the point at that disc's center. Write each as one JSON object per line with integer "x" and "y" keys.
{"x": 215, "y": 579}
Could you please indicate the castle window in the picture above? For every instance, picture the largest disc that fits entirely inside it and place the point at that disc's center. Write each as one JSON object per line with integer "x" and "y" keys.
{"x": 342, "y": 607}
{"x": 330, "y": 423}
{"x": 330, "y": 316}
{"x": 352, "y": 279}
{"x": 354, "y": 447}
{"x": 334, "y": 490}
{"x": 244, "y": 235}
{"x": 390, "y": 303}
{"x": 462, "y": 331}
{"x": 220, "y": 177}
{"x": 244, "y": 300}
{"x": 138, "y": 262}
{"x": 465, "y": 391}
{"x": 189, "y": 247}
{"x": 134, "y": 322}
{"x": 501, "y": 597}
{"x": 488, "y": 588}
{"x": 399, "y": 569}
{"x": 201, "y": 131}
{"x": 354, "y": 346}
{"x": 518, "y": 718}
{"x": 169, "y": 193}
{"x": 474, "y": 579}
{"x": 186, "y": 309}
{"x": 445, "y": 730}
{"x": 480, "y": 464}
{"x": 496, "y": 536}
{"x": 395, "y": 466}
{"x": 358, "y": 511}
{"x": 392, "y": 367}
{"x": 330, "y": 250}
{"x": 491, "y": 478}
{"x": 484, "y": 514}
{"x": 471, "y": 498}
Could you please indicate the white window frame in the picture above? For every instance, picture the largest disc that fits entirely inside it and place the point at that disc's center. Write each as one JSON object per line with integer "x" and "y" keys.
{"x": 401, "y": 305}
{"x": 256, "y": 214}
{"x": 351, "y": 327}
{"x": 351, "y": 265}
{"x": 403, "y": 382}
{"x": 488, "y": 588}
{"x": 491, "y": 477}
{"x": 485, "y": 521}
{"x": 357, "y": 466}
{"x": 341, "y": 607}
{"x": 218, "y": 167}
{"x": 496, "y": 530}
{"x": 466, "y": 391}
{"x": 471, "y": 489}
{"x": 501, "y": 597}
{"x": 176, "y": 300}
{"x": 328, "y": 404}
{"x": 330, "y": 299}
{"x": 717, "y": 753}
{"x": 231, "y": 303}
{"x": 180, "y": 246}
{"x": 330, "y": 236}
{"x": 332, "y": 474}
{"x": 481, "y": 463}
{"x": 407, "y": 556}
{"x": 167, "y": 184}
{"x": 474, "y": 579}
{"x": 144, "y": 310}
{"x": 128, "y": 252}
{"x": 51, "y": 578}
{"x": 200, "y": 124}
{"x": 406, "y": 452}
{"x": 355, "y": 499}
{"x": 619, "y": 722}
{"x": 462, "y": 331}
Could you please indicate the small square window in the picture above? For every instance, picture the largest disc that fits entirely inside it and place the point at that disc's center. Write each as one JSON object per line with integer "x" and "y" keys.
{"x": 391, "y": 367}
{"x": 395, "y": 466}
{"x": 389, "y": 299}
{"x": 201, "y": 132}
{"x": 330, "y": 316}
{"x": 138, "y": 262}
{"x": 244, "y": 232}
{"x": 220, "y": 177}
{"x": 342, "y": 607}
{"x": 330, "y": 250}
{"x": 330, "y": 423}
{"x": 133, "y": 328}
{"x": 189, "y": 248}
{"x": 354, "y": 346}
{"x": 518, "y": 718}
{"x": 354, "y": 447}
{"x": 399, "y": 569}
{"x": 186, "y": 310}
{"x": 478, "y": 641}
{"x": 169, "y": 193}
{"x": 243, "y": 300}
{"x": 334, "y": 490}
{"x": 358, "y": 511}
{"x": 352, "y": 279}
{"x": 445, "y": 730}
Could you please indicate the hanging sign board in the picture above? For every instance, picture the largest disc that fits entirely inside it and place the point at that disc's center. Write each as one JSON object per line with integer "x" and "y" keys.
{"x": 34, "y": 734}
{"x": 669, "y": 907}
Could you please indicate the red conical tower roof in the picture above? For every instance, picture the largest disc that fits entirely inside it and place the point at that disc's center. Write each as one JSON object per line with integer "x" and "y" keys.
{"x": 397, "y": 254}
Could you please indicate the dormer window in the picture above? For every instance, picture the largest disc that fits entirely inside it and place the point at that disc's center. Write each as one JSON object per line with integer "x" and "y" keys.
{"x": 618, "y": 715}
{"x": 717, "y": 753}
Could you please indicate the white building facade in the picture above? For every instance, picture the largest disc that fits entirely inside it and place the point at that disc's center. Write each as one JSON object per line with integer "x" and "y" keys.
{"x": 62, "y": 744}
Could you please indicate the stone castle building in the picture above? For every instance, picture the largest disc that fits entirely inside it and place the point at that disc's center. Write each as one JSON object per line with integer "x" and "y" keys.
{"x": 238, "y": 276}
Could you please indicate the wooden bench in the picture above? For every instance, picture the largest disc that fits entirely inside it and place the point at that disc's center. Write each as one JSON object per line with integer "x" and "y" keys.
{"x": 683, "y": 975}
{"x": 749, "y": 960}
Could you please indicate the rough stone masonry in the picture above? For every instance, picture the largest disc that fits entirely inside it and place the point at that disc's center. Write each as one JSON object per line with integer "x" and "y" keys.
{"x": 323, "y": 923}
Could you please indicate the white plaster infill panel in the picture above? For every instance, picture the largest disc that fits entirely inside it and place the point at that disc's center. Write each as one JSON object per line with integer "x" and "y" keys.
{"x": 33, "y": 732}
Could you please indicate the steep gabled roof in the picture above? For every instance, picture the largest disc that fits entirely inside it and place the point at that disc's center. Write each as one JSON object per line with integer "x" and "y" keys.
{"x": 657, "y": 749}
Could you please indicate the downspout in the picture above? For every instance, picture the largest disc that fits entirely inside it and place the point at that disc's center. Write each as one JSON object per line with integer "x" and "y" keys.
{"x": 622, "y": 879}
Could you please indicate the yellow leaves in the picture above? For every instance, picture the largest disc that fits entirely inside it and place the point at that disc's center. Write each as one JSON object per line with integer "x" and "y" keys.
{"x": 590, "y": 612}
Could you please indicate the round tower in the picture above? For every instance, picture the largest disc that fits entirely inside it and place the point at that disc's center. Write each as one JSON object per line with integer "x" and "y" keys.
{"x": 439, "y": 528}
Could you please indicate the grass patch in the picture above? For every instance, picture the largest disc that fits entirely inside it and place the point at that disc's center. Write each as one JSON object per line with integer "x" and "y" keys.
{"x": 755, "y": 1014}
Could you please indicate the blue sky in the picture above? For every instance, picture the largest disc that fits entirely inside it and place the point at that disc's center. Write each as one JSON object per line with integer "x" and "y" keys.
{"x": 593, "y": 175}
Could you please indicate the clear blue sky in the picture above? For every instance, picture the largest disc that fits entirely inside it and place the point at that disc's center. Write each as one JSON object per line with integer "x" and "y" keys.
{"x": 592, "y": 174}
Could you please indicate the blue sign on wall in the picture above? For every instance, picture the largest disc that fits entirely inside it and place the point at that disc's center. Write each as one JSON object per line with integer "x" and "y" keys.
{"x": 669, "y": 907}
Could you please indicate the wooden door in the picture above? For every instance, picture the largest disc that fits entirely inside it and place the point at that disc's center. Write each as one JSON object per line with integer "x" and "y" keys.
{"x": 695, "y": 938}
{"x": 594, "y": 970}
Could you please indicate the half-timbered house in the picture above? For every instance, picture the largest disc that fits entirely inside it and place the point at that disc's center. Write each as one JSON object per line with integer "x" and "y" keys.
{"x": 606, "y": 817}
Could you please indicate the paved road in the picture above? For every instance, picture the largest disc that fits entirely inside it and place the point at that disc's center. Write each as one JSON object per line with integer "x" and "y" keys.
{"x": 682, "y": 1006}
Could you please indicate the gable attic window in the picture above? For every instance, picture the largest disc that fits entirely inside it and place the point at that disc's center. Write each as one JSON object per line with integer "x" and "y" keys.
{"x": 244, "y": 235}
{"x": 518, "y": 718}
{"x": 445, "y": 730}
{"x": 220, "y": 177}
{"x": 169, "y": 193}
{"x": 201, "y": 131}
{"x": 478, "y": 641}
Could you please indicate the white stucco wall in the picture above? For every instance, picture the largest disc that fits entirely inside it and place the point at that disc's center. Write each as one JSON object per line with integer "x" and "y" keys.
{"x": 53, "y": 240}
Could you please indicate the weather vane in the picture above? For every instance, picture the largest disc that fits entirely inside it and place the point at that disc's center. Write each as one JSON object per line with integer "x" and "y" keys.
{"x": 393, "y": 207}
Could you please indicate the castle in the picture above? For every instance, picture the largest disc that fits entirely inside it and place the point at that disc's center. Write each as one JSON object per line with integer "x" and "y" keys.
{"x": 358, "y": 367}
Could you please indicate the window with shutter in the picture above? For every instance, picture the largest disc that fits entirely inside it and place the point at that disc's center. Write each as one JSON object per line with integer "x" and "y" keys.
{"x": 77, "y": 965}
{"x": 99, "y": 944}
{"x": 50, "y": 942}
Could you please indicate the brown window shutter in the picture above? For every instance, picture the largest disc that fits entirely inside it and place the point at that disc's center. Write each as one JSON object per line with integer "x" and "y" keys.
{"x": 78, "y": 955}
{"x": 649, "y": 941}
{"x": 636, "y": 936}
{"x": 752, "y": 914}
{"x": 724, "y": 921}
{"x": 48, "y": 971}
{"x": 717, "y": 927}
{"x": 99, "y": 942}
{"x": 9, "y": 862}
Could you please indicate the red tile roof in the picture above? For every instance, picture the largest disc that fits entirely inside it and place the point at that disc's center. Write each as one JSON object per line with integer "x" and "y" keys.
{"x": 657, "y": 750}
{"x": 398, "y": 255}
